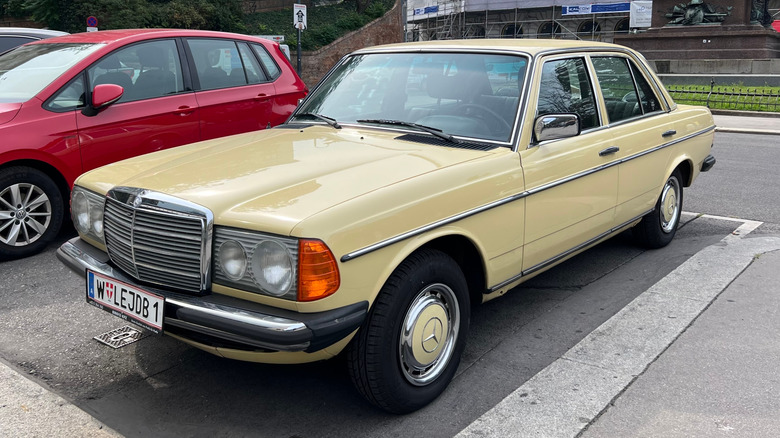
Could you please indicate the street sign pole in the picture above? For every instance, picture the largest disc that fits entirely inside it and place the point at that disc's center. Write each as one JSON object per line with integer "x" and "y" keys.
{"x": 299, "y": 21}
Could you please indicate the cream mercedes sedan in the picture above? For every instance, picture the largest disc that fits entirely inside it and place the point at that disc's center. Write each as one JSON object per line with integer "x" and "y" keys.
{"x": 414, "y": 182}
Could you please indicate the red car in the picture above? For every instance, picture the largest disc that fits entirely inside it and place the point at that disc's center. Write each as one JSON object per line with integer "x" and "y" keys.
{"x": 76, "y": 102}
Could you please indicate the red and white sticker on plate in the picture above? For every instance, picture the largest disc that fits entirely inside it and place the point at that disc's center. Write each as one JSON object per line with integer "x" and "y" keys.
{"x": 125, "y": 301}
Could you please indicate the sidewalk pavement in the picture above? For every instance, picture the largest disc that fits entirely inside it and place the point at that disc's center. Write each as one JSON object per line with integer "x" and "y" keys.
{"x": 30, "y": 410}
{"x": 719, "y": 378}
{"x": 652, "y": 406}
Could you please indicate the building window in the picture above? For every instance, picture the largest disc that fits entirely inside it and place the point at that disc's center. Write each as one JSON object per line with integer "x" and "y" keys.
{"x": 512, "y": 31}
{"x": 622, "y": 26}
{"x": 588, "y": 29}
{"x": 549, "y": 29}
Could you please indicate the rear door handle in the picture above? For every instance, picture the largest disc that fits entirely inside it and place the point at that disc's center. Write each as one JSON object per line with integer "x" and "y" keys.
{"x": 609, "y": 151}
{"x": 669, "y": 133}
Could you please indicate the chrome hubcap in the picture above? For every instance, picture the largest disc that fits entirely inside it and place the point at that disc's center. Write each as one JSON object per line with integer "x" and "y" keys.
{"x": 25, "y": 214}
{"x": 670, "y": 205}
{"x": 428, "y": 334}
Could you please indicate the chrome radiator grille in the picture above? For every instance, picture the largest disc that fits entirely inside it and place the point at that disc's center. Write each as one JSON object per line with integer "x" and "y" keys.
{"x": 158, "y": 242}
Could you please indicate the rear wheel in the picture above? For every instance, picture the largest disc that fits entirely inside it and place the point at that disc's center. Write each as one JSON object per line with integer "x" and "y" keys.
{"x": 409, "y": 348}
{"x": 658, "y": 227}
{"x": 31, "y": 212}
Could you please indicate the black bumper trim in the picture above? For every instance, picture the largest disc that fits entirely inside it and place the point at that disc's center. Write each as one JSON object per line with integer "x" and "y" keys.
{"x": 708, "y": 163}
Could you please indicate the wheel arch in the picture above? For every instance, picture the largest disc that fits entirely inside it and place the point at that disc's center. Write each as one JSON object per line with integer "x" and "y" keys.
{"x": 468, "y": 257}
{"x": 685, "y": 166}
{"x": 50, "y": 171}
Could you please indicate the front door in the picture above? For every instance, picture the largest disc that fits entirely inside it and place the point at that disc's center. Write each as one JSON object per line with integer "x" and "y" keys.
{"x": 154, "y": 113}
{"x": 573, "y": 181}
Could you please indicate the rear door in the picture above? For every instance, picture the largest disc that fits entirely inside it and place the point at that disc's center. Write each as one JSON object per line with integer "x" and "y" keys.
{"x": 234, "y": 93}
{"x": 639, "y": 126}
{"x": 157, "y": 110}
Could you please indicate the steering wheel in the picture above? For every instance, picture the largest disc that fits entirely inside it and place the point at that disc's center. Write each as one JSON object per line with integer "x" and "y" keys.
{"x": 495, "y": 117}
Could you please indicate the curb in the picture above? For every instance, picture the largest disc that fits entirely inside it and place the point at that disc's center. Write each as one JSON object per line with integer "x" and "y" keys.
{"x": 746, "y": 131}
{"x": 27, "y": 409}
{"x": 724, "y": 112}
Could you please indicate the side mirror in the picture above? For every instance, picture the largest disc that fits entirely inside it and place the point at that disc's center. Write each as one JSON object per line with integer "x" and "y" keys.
{"x": 556, "y": 126}
{"x": 103, "y": 95}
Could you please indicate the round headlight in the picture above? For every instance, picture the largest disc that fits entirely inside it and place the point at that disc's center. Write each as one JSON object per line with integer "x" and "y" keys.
{"x": 272, "y": 267}
{"x": 96, "y": 220}
{"x": 232, "y": 259}
{"x": 80, "y": 208}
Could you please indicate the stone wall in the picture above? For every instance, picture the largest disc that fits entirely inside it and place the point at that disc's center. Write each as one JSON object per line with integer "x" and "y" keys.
{"x": 252, "y": 6}
{"x": 384, "y": 30}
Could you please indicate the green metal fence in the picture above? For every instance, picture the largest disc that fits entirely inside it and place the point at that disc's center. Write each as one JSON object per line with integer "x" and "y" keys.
{"x": 727, "y": 97}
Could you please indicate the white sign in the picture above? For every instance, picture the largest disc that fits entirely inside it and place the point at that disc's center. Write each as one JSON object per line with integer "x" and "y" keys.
{"x": 92, "y": 29}
{"x": 277, "y": 38}
{"x": 299, "y": 16}
{"x": 641, "y": 14}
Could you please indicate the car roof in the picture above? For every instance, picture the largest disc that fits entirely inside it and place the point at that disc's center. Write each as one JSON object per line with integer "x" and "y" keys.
{"x": 130, "y": 35}
{"x": 524, "y": 45}
{"x": 31, "y": 32}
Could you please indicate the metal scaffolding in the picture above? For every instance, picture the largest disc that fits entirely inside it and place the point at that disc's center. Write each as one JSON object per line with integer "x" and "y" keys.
{"x": 448, "y": 19}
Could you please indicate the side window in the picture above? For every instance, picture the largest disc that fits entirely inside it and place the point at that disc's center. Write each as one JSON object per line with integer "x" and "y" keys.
{"x": 254, "y": 73}
{"x": 145, "y": 70}
{"x": 70, "y": 97}
{"x": 11, "y": 42}
{"x": 267, "y": 60}
{"x": 647, "y": 96}
{"x": 565, "y": 88}
{"x": 617, "y": 86}
{"x": 217, "y": 63}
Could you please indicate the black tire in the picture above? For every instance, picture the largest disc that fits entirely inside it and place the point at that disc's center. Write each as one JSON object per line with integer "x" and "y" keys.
{"x": 386, "y": 365}
{"x": 31, "y": 212}
{"x": 658, "y": 227}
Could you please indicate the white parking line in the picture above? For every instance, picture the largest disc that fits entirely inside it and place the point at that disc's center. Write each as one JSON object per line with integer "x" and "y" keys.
{"x": 562, "y": 399}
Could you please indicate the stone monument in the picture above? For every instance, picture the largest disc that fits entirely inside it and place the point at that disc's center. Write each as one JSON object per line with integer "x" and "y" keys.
{"x": 727, "y": 30}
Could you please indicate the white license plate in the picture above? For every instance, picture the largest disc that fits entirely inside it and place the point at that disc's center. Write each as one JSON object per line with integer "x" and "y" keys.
{"x": 125, "y": 301}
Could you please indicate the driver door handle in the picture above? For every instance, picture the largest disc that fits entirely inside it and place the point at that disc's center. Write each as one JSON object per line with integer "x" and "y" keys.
{"x": 184, "y": 110}
{"x": 609, "y": 151}
{"x": 669, "y": 133}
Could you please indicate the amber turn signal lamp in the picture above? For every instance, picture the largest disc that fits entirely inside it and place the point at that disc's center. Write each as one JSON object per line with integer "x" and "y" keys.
{"x": 318, "y": 273}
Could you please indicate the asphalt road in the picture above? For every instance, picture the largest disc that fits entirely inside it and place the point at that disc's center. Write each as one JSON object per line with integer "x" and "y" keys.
{"x": 159, "y": 387}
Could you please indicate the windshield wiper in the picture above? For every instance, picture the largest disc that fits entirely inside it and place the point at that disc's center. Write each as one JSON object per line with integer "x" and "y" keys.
{"x": 330, "y": 121}
{"x": 437, "y": 132}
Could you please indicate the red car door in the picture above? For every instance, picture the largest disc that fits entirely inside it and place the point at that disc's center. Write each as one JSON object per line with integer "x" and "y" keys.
{"x": 154, "y": 113}
{"x": 234, "y": 93}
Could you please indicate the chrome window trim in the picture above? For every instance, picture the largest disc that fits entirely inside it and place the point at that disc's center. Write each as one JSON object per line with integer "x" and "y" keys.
{"x": 514, "y": 137}
{"x": 591, "y": 76}
{"x": 417, "y": 231}
{"x": 149, "y": 200}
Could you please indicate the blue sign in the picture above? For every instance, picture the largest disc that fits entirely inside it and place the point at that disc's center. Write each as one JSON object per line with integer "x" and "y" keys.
{"x": 427, "y": 10}
{"x": 596, "y": 9}
{"x": 91, "y": 21}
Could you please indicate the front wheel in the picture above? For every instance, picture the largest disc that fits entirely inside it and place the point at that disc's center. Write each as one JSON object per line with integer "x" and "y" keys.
{"x": 31, "y": 212}
{"x": 658, "y": 227}
{"x": 409, "y": 348}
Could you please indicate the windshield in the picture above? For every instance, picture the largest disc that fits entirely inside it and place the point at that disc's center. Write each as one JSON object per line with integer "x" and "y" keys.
{"x": 27, "y": 70}
{"x": 472, "y": 95}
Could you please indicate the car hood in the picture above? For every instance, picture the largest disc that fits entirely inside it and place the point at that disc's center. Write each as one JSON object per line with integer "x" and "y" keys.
{"x": 8, "y": 111}
{"x": 272, "y": 180}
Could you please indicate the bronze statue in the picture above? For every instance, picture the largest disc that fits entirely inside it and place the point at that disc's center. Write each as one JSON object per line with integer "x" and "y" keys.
{"x": 760, "y": 13}
{"x": 697, "y": 12}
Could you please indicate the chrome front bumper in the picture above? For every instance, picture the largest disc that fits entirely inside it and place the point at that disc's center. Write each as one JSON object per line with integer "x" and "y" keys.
{"x": 222, "y": 321}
